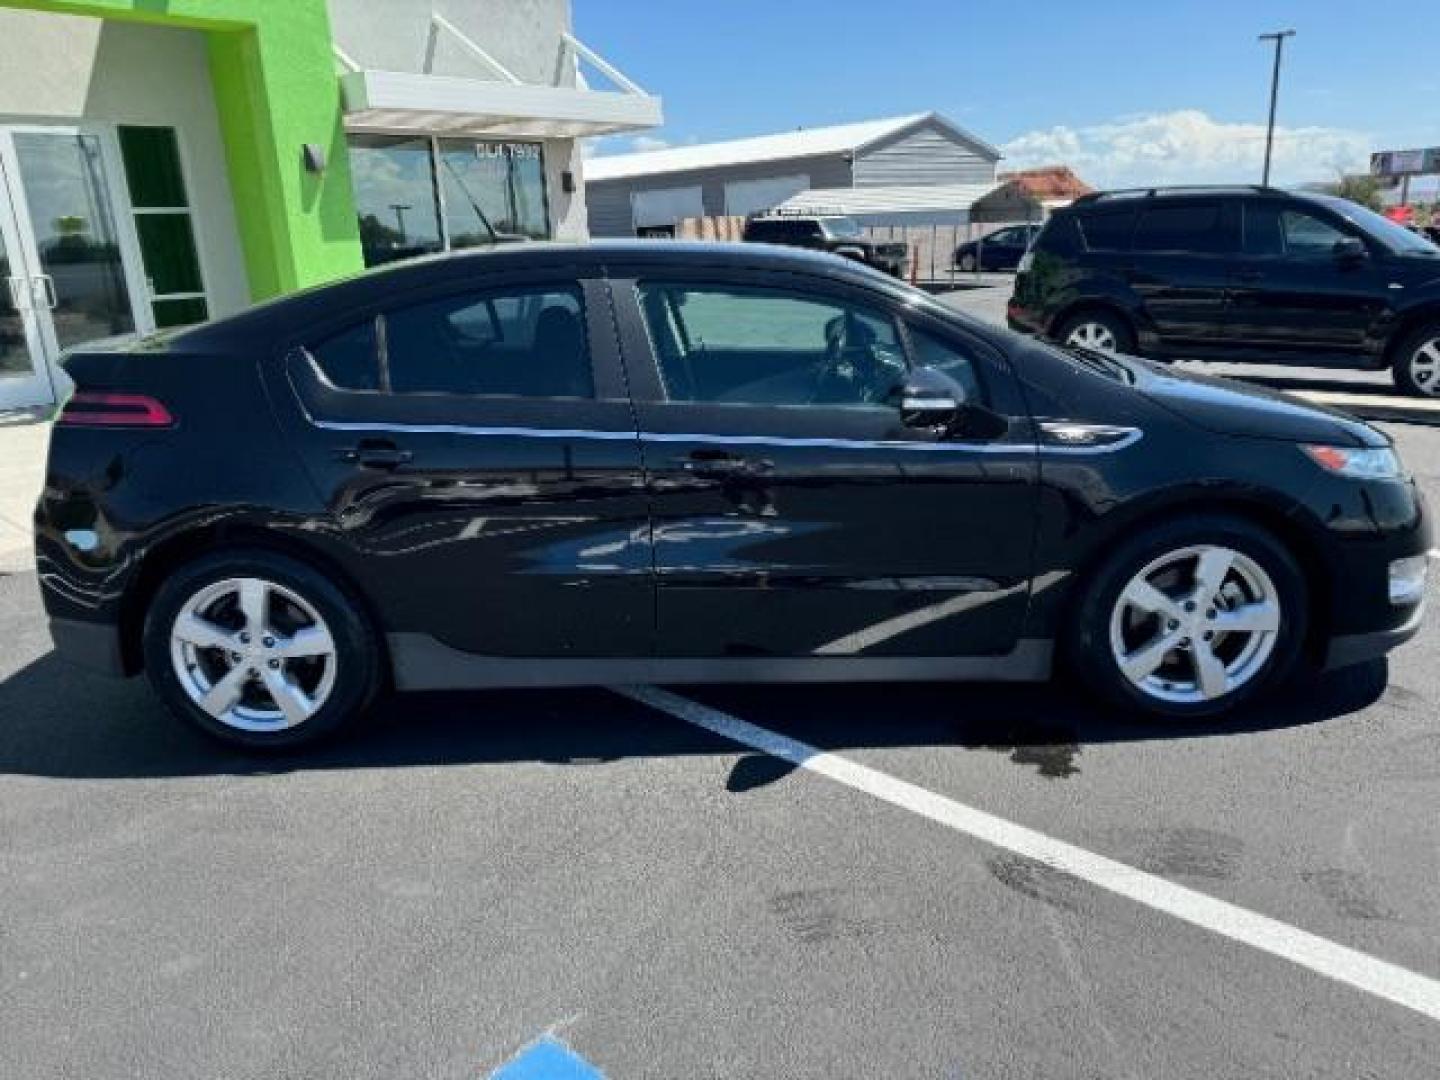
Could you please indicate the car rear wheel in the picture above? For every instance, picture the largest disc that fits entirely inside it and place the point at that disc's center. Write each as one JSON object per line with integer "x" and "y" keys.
{"x": 1192, "y": 619}
{"x": 1417, "y": 362}
{"x": 1102, "y": 331}
{"x": 259, "y": 650}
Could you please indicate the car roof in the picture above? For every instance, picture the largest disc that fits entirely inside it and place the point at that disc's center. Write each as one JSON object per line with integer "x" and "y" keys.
{"x": 288, "y": 315}
{"x": 1101, "y": 201}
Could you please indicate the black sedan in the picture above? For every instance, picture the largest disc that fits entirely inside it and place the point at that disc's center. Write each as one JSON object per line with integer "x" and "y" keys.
{"x": 553, "y": 465}
{"x": 999, "y": 250}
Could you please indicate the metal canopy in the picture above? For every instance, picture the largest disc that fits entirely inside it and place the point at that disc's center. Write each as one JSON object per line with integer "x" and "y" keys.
{"x": 443, "y": 104}
{"x": 427, "y": 104}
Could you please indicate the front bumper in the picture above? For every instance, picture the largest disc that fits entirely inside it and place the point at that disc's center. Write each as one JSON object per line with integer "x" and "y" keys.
{"x": 1351, "y": 649}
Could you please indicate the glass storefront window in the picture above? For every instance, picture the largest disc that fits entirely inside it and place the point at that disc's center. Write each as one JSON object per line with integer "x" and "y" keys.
{"x": 163, "y": 223}
{"x": 492, "y": 185}
{"x": 395, "y": 197}
{"x": 486, "y": 189}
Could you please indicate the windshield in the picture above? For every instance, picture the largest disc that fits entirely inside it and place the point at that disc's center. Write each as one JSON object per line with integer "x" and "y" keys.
{"x": 843, "y": 228}
{"x": 1395, "y": 237}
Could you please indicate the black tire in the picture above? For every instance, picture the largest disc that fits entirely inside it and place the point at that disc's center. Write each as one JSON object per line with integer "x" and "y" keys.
{"x": 1086, "y": 643}
{"x": 357, "y": 660}
{"x": 1118, "y": 326}
{"x": 1403, "y": 367}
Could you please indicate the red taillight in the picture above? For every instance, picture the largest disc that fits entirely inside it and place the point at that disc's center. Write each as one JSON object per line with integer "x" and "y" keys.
{"x": 115, "y": 410}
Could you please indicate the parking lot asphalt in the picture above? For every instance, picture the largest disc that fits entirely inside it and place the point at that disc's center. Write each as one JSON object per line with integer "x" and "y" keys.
{"x": 471, "y": 872}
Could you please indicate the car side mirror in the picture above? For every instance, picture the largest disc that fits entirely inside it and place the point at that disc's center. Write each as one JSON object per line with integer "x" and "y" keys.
{"x": 931, "y": 399}
{"x": 1350, "y": 250}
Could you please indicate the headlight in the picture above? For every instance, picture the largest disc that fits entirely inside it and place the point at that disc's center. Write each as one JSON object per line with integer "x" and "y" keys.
{"x": 1358, "y": 463}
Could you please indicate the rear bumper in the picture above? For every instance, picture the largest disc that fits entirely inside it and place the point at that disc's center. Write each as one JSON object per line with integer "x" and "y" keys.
{"x": 1023, "y": 320}
{"x": 91, "y": 645}
{"x": 1351, "y": 649}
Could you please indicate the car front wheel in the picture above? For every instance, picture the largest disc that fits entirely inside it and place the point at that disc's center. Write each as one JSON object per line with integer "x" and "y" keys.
{"x": 1191, "y": 619}
{"x": 259, "y": 650}
{"x": 1417, "y": 362}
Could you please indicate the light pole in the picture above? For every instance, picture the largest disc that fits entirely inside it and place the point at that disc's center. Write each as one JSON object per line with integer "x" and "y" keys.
{"x": 1278, "y": 37}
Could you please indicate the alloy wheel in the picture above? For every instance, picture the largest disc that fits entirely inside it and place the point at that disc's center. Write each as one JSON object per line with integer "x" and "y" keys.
{"x": 1093, "y": 335}
{"x": 1425, "y": 367}
{"x": 253, "y": 654}
{"x": 1195, "y": 624}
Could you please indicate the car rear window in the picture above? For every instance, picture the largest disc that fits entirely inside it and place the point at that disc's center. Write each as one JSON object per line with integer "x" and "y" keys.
{"x": 1108, "y": 230}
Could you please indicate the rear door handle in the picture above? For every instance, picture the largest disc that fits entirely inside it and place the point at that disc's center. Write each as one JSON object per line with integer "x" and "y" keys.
{"x": 719, "y": 463}
{"x": 376, "y": 454}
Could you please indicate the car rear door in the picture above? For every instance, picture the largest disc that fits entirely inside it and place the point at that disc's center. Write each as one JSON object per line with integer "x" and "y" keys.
{"x": 1291, "y": 295}
{"x": 478, "y": 456}
{"x": 1181, "y": 259}
{"x": 794, "y": 516}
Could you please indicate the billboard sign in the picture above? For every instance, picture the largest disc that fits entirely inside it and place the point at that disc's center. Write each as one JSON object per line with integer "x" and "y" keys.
{"x": 1405, "y": 162}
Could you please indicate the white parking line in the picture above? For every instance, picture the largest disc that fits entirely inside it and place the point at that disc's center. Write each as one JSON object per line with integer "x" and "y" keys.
{"x": 1320, "y": 955}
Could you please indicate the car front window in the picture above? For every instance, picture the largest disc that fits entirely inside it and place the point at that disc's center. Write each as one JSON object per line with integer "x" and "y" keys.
{"x": 843, "y": 229}
{"x": 1395, "y": 237}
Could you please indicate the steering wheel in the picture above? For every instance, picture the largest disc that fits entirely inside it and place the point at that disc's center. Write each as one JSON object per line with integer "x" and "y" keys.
{"x": 855, "y": 373}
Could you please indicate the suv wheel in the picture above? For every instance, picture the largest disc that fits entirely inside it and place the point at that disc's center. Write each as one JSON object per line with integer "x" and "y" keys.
{"x": 1102, "y": 331}
{"x": 1192, "y": 618}
{"x": 259, "y": 650}
{"x": 1417, "y": 362}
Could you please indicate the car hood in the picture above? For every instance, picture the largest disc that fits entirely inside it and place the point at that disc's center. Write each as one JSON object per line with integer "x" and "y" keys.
{"x": 1227, "y": 407}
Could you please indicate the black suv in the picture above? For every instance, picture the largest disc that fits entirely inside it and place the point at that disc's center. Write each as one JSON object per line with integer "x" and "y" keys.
{"x": 1239, "y": 274}
{"x": 837, "y": 235}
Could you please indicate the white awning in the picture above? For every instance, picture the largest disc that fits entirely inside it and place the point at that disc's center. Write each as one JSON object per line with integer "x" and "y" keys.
{"x": 422, "y": 103}
{"x": 908, "y": 199}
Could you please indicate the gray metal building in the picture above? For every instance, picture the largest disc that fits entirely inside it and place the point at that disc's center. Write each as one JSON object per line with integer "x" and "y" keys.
{"x": 907, "y": 171}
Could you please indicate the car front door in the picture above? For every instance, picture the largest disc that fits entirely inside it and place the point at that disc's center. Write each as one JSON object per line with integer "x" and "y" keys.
{"x": 478, "y": 455}
{"x": 794, "y": 515}
{"x": 1181, "y": 256}
{"x": 1292, "y": 294}
{"x": 1002, "y": 249}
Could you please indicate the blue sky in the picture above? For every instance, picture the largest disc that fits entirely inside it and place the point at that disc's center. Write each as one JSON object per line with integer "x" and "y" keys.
{"x": 1127, "y": 91}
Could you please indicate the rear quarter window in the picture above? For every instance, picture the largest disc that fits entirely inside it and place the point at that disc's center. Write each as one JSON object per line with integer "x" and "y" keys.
{"x": 1060, "y": 236}
{"x": 1108, "y": 230}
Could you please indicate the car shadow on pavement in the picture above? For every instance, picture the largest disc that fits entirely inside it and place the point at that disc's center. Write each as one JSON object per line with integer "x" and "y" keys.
{"x": 59, "y": 721}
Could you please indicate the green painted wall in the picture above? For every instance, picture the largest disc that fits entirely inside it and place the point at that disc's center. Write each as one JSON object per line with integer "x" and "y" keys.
{"x": 276, "y": 89}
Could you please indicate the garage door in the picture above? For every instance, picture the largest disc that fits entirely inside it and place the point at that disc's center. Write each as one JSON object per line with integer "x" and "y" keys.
{"x": 665, "y": 206}
{"x": 751, "y": 196}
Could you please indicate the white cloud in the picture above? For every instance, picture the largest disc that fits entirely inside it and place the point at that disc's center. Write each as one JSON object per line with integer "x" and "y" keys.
{"x": 1188, "y": 146}
{"x": 648, "y": 142}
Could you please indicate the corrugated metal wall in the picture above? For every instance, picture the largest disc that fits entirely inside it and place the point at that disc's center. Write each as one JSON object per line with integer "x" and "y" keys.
{"x": 609, "y": 200}
{"x": 928, "y": 155}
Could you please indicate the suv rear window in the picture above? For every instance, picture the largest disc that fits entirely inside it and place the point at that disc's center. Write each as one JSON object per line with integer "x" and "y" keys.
{"x": 1107, "y": 230}
{"x": 1194, "y": 227}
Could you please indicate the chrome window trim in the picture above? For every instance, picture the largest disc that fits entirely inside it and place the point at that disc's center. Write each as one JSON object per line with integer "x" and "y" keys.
{"x": 726, "y": 440}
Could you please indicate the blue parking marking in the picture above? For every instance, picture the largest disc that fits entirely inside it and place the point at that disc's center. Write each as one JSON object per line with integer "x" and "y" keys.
{"x": 547, "y": 1059}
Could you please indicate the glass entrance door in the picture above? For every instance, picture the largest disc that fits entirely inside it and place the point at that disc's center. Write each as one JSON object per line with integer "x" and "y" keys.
{"x": 24, "y": 380}
{"x": 70, "y": 275}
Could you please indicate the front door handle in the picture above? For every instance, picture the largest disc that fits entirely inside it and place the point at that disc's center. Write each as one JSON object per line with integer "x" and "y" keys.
{"x": 47, "y": 285}
{"x": 376, "y": 454}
